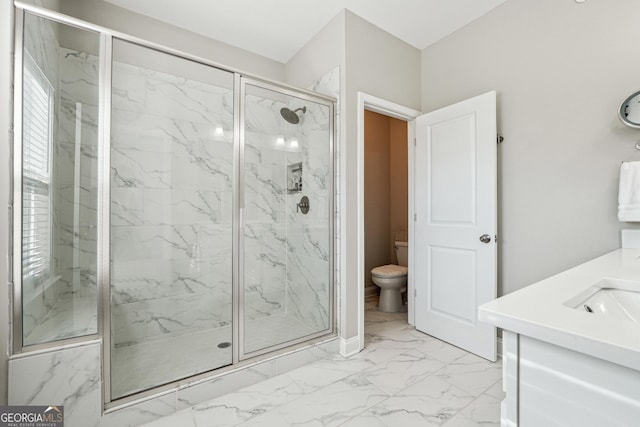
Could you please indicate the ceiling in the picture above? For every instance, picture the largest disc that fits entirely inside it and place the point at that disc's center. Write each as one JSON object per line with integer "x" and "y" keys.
{"x": 277, "y": 29}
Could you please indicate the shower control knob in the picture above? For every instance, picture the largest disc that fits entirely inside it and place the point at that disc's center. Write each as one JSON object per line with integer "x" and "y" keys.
{"x": 485, "y": 238}
{"x": 303, "y": 206}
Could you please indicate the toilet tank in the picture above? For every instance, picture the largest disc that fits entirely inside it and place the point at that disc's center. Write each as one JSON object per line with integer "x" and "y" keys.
{"x": 402, "y": 251}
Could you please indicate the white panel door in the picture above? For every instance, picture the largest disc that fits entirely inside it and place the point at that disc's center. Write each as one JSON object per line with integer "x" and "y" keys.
{"x": 456, "y": 222}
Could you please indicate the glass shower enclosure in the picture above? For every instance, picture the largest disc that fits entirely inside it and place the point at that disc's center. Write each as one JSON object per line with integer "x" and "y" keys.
{"x": 179, "y": 211}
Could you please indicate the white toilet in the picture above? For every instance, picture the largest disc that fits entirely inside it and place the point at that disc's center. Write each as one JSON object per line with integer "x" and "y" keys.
{"x": 392, "y": 280}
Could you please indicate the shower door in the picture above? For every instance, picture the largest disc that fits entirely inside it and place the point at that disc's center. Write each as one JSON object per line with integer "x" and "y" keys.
{"x": 180, "y": 212}
{"x": 172, "y": 183}
{"x": 286, "y": 232}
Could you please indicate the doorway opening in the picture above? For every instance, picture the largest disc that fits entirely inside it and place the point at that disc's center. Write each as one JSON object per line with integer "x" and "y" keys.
{"x": 368, "y": 104}
{"x": 385, "y": 197}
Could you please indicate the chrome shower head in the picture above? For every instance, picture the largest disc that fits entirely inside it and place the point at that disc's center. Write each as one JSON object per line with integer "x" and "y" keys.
{"x": 291, "y": 115}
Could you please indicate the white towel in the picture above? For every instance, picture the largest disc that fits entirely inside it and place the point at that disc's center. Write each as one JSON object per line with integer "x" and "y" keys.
{"x": 629, "y": 192}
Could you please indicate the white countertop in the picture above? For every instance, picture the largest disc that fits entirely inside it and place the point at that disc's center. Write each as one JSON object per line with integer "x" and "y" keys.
{"x": 538, "y": 311}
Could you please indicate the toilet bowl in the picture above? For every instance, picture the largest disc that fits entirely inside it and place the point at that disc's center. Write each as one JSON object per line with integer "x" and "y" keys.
{"x": 392, "y": 280}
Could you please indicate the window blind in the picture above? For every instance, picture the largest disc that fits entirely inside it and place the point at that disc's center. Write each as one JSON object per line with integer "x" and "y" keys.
{"x": 36, "y": 143}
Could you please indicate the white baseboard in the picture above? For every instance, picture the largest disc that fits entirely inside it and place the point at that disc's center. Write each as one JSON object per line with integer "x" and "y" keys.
{"x": 349, "y": 347}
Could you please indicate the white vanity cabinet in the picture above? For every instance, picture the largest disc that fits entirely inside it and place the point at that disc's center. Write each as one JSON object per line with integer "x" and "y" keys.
{"x": 565, "y": 366}
{"x": 548, "y": 385}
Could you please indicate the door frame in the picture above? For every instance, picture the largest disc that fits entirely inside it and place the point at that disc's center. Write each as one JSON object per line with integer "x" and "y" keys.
{"x": 397, "y": 111}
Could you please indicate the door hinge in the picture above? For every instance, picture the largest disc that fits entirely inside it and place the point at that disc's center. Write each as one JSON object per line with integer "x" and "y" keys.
{"x": 415, "y": 292}
{"x": 415, "y": 142}
{"x": 499, "y": 139}
{"x": 415, "y": 217}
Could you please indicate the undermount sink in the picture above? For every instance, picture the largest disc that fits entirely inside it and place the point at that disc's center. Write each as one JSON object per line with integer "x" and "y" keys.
{"x": 617, "y": 299}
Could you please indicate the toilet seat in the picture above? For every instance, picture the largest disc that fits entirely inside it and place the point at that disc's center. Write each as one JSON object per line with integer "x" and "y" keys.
{"x": 389, "y": 271}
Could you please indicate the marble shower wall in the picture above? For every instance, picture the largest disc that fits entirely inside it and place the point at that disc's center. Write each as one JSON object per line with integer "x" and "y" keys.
{"x": 309, "y": 238}
{"x": 265, "y": 237}
{"x": 63, "y": 304}
{"x": 77, "y": 174}
{"x": 171, "y": 204}
{"x": 287, "y": 253}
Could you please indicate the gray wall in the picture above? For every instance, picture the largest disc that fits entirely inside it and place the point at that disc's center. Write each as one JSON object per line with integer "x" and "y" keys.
{"x": 384, "y": 66}
{"x": 560, "y": 69}
{"x": 377, "y": 193}
{"x": 377, "y": 63}
{"x": 113, "y": 17}
{"x": 6, "y": 59}
{"x": 321, "y": 54}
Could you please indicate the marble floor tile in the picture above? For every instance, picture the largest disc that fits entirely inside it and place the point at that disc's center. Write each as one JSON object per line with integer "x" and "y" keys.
{"x": 430, "y": 402}
{"x": 496, "y": 391}
{"x": 402, "y": 378}
{"x": 402, "y": 371}
{"x": 484, "y": 411}
{"x": 329, "y": 406}
{"x": 239, "y": 407}
{"x": 472, "y": 373}
{"x": 441, "y": 350}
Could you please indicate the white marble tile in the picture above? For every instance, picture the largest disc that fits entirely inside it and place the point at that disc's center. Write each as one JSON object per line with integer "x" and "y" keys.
{"x": 132, "y": 168}
{"x": 386, "y": 385}
{"x": 298, "y": 359}
{"x": 402, "y": 371}
{"x": 197, "y": 172}
{"x": 328, "y": 84}
{"x": 183, "y": 99}
{"x": 272, "y": 330}
{"x": 485, "y": 411}
{"x": 41, "y": 42}
{"x": 128, "y": 91}
{"x": 395, "y": 334}
{"x": 496, "y": 391}
{"x": 333, "y": 406}
{"x": 182, "y": 419}
{"x": 309, "y": 240}
{"x": 441, "y": 350}
{"x": 472, "y": 373}
{"x": 428, "y": 403}
{"x": 137, "y": 281}
{"x": 325, "y": 372}
{"x": 308, "y": 290}
{"x": 155, "y": 317}
{"x": 225, "y": 384}
{"x": 263, "y": 115}
{"x": 69, "y": 377}
{"x": 141, "y": 131}
{"x": 127, "y": 206}
{"x": 135, "y": 367}
{"x": 184, "y": 206}
{"x": 247, "y": 403}
{"x": 461, "y": 420}
{"x": 70, "y": 317}
{"x": 79, "y": 76}
{"x": 142, "y": 412}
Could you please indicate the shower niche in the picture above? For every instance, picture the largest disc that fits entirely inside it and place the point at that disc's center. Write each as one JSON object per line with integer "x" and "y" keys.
{"x": 157, "y": 211}
{"x": 294, "y": 178}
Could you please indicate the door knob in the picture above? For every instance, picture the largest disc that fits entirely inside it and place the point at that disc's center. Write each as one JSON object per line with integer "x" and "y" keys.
{"x": 485, "y": 238}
